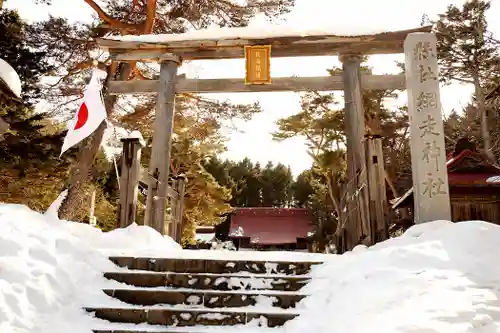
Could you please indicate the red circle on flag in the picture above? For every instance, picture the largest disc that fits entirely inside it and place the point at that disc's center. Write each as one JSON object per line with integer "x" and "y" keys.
{"x": 83, "y": 116}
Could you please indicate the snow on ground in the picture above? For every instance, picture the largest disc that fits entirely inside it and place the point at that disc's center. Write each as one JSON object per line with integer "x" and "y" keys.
{"x": 437, "y": 277}
{"x": 50, "y": 269}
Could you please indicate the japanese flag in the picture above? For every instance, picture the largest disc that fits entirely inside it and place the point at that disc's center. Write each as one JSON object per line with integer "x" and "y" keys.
{"x": 89, "y": 116}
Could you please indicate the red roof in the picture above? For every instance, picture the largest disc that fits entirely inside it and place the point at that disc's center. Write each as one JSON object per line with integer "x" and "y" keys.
{"x": 484, "y": 166}
{"x": 268, "y": 226}
{"x": 472, "y": 179}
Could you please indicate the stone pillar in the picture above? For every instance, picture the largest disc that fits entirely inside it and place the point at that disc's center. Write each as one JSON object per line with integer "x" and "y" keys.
{"x": 357, "y": 219}
{"x": 159, "y": 164}
{"x": 428, "y": 155}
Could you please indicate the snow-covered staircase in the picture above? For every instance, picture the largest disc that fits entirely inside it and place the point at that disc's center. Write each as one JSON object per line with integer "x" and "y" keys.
{"x": 197, "y": 293}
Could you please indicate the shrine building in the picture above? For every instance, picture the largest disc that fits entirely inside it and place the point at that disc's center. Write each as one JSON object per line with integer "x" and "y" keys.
{"x": 474, "y": 185}
{"x": 267, "y": 228}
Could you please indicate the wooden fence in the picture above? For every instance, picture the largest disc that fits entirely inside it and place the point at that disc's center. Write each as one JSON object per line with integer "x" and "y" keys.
{"x": 130, "y": 176}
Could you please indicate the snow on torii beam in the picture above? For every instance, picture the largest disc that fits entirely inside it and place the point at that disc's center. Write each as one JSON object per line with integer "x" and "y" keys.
{"x": 230, "y": 44}
{"x": 196, "y": 46}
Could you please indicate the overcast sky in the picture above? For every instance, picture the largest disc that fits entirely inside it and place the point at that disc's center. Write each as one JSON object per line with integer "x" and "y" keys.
{"x": 253, "y": 139}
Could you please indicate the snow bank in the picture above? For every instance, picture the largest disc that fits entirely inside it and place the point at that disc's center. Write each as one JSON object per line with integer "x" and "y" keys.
{"x": 437, "y": 277}
{"x": 10, "y": 77}
{"x": 50, "y": 269}
{"x": 53, "y": 210}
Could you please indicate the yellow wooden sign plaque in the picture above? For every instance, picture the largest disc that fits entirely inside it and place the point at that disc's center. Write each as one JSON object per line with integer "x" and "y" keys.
{"x": 258, "y": 64}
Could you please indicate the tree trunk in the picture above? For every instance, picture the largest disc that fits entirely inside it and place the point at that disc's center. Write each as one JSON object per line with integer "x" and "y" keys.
{"x": 483, "y": 112}
{"x": 79, "y": 175}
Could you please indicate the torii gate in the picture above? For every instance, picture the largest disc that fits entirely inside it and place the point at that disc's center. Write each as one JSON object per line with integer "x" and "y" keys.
{"x": 368, "y": 196}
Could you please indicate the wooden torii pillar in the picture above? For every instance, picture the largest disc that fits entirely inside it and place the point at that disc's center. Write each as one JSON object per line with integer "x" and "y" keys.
{"x": 159, "y": 165}
{"x": 358, "y": 213}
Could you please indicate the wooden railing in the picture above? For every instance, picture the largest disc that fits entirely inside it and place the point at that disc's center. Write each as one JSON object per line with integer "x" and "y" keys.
{"x": 131, "y": 174}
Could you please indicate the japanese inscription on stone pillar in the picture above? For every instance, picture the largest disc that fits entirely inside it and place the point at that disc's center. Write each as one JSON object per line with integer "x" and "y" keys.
{"x": 428, "y": 156}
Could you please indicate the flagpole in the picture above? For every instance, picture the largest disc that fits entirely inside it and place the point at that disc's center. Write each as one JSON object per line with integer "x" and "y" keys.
{"x": 95, "y": 70}
{"x": 92, "y": 218}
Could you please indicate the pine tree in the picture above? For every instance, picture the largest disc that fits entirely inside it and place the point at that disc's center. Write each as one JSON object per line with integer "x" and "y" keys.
{"x": 276, "y": 181}
{"x": 71, "y": 44}
{"x": 29, "y": 163}
{"x": 247, "y": 190}
{"x": 302, "y": 189}
{"x": 253, "y": 186}
{"x": 468, "y": 53}
{"x": 24, "y": 146}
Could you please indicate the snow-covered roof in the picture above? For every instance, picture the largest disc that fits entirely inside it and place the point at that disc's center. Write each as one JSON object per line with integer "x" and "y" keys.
{"x": 137, "y": 135}
{"x": 204, "y": 238}
{"x": 10, "y": 78}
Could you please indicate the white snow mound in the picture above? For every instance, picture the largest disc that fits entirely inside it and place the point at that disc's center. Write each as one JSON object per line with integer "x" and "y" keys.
{"x": 50, "y": 269}
{"x": 437, "y": 277}
{"x": 10, "y": 77}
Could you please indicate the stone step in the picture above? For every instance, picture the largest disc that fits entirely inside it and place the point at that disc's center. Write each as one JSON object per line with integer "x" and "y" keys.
{"x": 204, "y": 298}
{"x": 207, "y": 329}
{"x": 131, "y": 328}
{"x": 155, "y": 331}
{"x": 144, "y": 331}
{"x": 213, "y": 266}
{"x": 206, "y": 281}
{"x": 190, "y": 317}
{"x": 135, "y": 331}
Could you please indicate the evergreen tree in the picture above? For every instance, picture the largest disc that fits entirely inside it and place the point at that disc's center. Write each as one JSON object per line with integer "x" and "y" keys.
{"x": 302, "y": 189}
{"x": 276, "y": 182}
{"x": 247, "y": 191}
{"x": 251, "y": 185}
{"x": 29, "y": 163}
{"x": 24, "y": 147}
{"x": 71, "y": 44}
{"x": 468, "y": 53}
{"x": 18, "y": 52}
